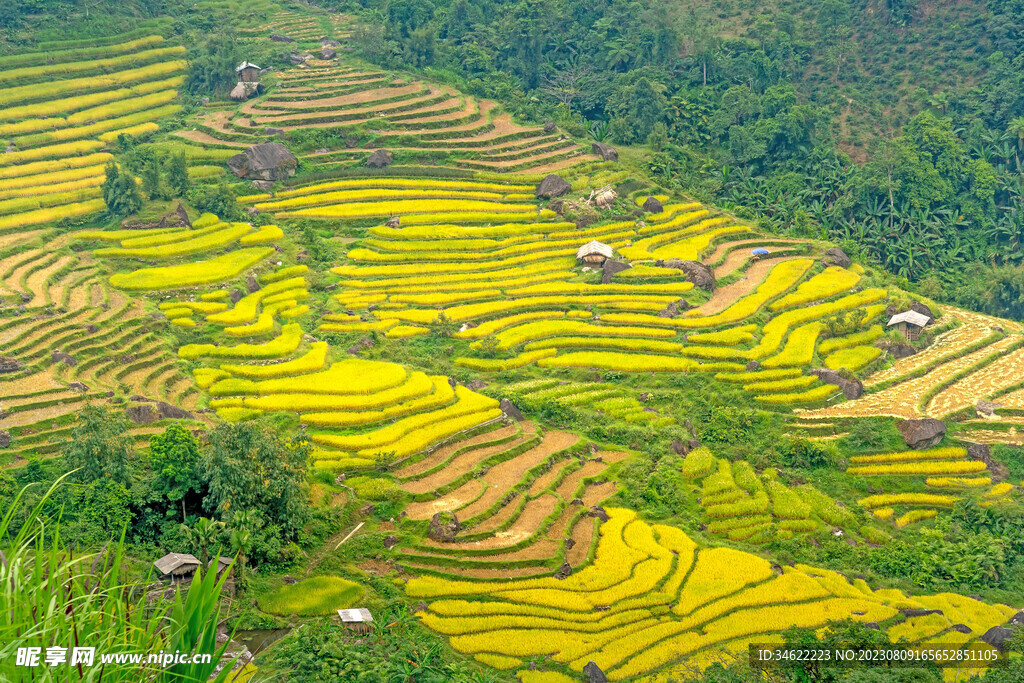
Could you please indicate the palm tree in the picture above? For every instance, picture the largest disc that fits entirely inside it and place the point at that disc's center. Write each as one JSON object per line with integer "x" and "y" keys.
{"x": 203, "y": 534}
{"x": 1016, "y": 128}
{"x": 241, "y": 544}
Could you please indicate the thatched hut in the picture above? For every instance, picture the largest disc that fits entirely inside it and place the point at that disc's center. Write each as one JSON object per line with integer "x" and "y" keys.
{"x": 594, "y": 252}
{"x": 177, "y": 567}
{"x": 909, "y": 323}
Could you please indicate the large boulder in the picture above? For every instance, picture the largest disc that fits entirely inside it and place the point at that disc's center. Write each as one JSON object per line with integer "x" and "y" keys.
{"x": 605, "y": 151}
{"x": 141, "y": 413}
{"x": 851, "y": 388}
{"x": 279, "y": 38}
{"x": 552, "y": 186}
{"x": 1017, "y": 619}
{"x": 328, "y": 53}
{"x": 265, "y": 161}
{"x": 997, "y": 636}
{"x": 176, "y": 219}
{"x": 652, "y": 205}
{"x": 594, "y": 674}
{"x": 923, "y": 433}
{"x": 380, "y": 158}
{"x": 696, "y": 272}
{"x": 444, "y": 526}
{"x": 5, "y": 439}
{"x": 611, "y": 267}
{"x": 59, "y": 356}
{"x": 896, "y": 349}
{"x": 510, "y": 409}
{"x": 9, "y": 365}
{"x": 169, "y": 412}
{"x": 836, "y": 257}
{"x": 919, "y": 307}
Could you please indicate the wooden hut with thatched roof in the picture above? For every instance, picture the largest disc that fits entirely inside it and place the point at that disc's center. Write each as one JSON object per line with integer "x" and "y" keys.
{"x": 247, "y": 72}
{"x": 594, "y": 252}
{"x": 909, "y": 323}
{"x": 177, "y": 567}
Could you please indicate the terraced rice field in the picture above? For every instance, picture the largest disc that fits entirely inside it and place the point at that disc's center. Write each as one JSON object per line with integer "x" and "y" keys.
{"x": 62, "y": 108}
{"x": 653, "y": 601}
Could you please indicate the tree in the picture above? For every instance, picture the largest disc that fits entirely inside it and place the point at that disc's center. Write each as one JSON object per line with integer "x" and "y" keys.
{"x": 250, "y": 467}
{"x": 571, "y": 84}
{"x": 120, "y": 193}
{"x": 174, "y": 458}
{"x": 177, "y": 174}
{"x": 99, "y": 447}
{"x": 637, "y": 108}
{"x": 203, "y": 534}
{"x": 151, "y": 182}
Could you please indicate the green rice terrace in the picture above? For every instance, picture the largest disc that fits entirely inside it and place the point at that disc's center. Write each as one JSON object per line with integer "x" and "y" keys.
{"x": 381, "y": 344}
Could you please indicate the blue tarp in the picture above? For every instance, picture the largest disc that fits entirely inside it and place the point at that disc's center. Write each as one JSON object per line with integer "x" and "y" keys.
{"x": 760, "y": 251}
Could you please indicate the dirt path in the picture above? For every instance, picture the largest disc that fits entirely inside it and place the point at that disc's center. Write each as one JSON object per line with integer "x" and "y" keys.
{"x": 726, "y": 296}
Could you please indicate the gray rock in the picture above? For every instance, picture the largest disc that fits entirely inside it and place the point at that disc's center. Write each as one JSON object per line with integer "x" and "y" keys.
{"x": 564, "y": 572}
{"x": 251, "y": 284}
{"x": 1017, "y": 619}
{"x": 652, "y": 205}
{"x": 279, "y": 38}
{"x": 510, "y": 409}
{"x": 204, "y": 100}
{"x": 552, "y": 186}
{"x": 896, "y": 349}
{"x": 919, "y": 307}
{"x": 5, "y": 439}
{"x": 9, "y": 365}
{"x": 329, "y": 43}
{"x": 390, "y": 541}
{"x": 444, "y": 526}
{"x": 696, "y": 272}
{"x": 61, "y": 357}
{"x": 753, "y": 366}
{"x": 598, "y": 511}
{"x": 169, "y": 412}
{"x": 77, "y": 386}
{"x": 611, "y": 267}
{"x": 262, "y": 186}
{"x": 328, "y": 53}
{"x": 296, "y": 60}
{"x": 476, "y": 385}
{"x": 836, "y": 257}
{"x": 271, "y": 130}
{"x": 550, "y": 127}
{"x": 140, "y": 399}
{"x": 594, "y": 674}
{"x": 380, "y": 158}
{"x": 235, "y": 295}
{"x": 997, "y": 636}
{"x": 920, "y": 612}
{"x": 141, "y": 413}
{"x": 852, "y": 388}
{"x": 265, "y": 161}
{"x": 683, "y": 447}
{"x": 393, "y": 222}
{"x": 961, "y": 628}
{"x": 923, "y": 433}
{"x": 606, "y": 152}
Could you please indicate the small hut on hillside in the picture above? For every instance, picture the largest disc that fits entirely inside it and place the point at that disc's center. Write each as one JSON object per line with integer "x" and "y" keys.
{"x": 357, "y": 619}
{"x": 247, "y": 72}
{"x": 177, "y": 567}
{"x": 909, "y": 323}
{"x": 594, "y": 252}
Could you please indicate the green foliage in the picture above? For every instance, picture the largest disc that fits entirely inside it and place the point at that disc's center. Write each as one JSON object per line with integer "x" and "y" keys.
{"x": 174, "y": 459}
{"x": 177, "y": 174}
{"x": 120, "y": 192}
{"x": 99, "y": 447}
{"x": 217, "y": 199}
{"x": 251, "y": 468}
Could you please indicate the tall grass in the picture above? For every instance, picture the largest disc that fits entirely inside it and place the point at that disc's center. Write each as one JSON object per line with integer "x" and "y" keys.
{"x": 53, "y": 595}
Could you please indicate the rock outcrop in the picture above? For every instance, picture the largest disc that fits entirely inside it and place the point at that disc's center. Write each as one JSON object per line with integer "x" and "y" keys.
{"x": 265, "y": 161}
{"x": 552, "y": 186}
{"x": 606, "y": 152}
{"x": 923, "y": 433}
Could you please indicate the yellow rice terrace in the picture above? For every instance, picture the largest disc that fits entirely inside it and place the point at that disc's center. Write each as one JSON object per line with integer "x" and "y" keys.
{"x": 399, "y": 344}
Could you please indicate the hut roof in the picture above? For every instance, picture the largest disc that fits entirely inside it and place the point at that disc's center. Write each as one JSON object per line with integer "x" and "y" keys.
{"x": 911, "y": 317}
{"x": 221, "y": 562}
{"x": 174, "y": 562}
{"x": 246, "y": 65}
{"x": 594, "y": 247}
{"x": 355, "y": 616}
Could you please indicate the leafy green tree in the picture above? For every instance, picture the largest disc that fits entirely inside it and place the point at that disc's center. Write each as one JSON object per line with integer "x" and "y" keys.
{"x": 99, "y": 446}
{"x": 203, "y": 534}
{"x": 250, "y": 467}
{"x": 219, "y": 200}
{"x": 174, "y": 457}
{"x": 177, "y": 174}
{"x": 639, "y": 106}
{"x": 120, "y": 193}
